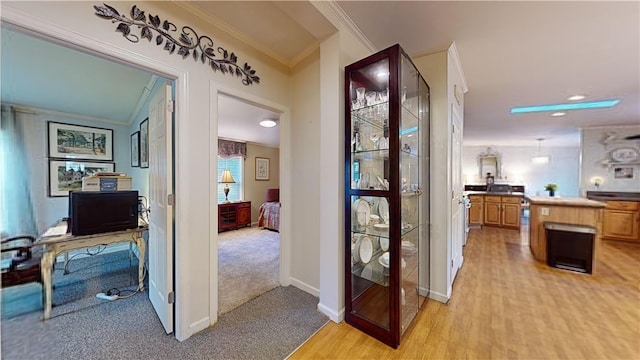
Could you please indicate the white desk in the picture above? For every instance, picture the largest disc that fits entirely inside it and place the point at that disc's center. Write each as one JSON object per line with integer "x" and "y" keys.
{"x": 55, "y": 244}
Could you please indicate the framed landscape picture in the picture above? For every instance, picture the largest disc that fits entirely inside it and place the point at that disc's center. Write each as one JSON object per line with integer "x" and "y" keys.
{"x": 144, "y": 143}
{"x": 65, "y": 175}
{"x": 135, "y": 149}
{"x": 79, "y": 142}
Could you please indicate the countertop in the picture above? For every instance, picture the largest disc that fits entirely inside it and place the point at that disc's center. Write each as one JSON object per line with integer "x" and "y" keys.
{"x": 562, "y": 201}
{"x": 513, "y": 193}
{"x": 613, "y": 195}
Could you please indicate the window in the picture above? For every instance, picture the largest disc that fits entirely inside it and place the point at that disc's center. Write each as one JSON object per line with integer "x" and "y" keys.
{"x": 235, "y": 165}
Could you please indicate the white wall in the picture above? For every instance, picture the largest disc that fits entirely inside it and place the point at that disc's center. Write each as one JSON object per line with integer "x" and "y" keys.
{"x": 596, "y": 152}
{"x": 517, "y": 169}
{"x": 75, "y": 22}
{"x": 49, "y": 210}
{"x": 305, "y": 262}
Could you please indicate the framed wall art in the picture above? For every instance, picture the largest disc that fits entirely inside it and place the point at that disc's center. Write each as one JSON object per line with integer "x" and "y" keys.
{"x": 135, "y": 149}
{"x": 66, "y": 175}
{"x": 78, "y": 142}
{"x": 144, "y": 143}
{"x": 262, "y": 168}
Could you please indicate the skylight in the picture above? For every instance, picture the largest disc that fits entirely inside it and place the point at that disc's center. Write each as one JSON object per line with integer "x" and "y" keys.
{"x": 570, "y": 106}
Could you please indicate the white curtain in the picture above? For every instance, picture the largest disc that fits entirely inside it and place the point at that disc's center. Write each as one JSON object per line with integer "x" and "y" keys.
{"x": 16, "y": 207}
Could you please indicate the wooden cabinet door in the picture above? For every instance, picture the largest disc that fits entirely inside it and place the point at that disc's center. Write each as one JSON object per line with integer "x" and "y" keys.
{"x": 227, "y": 218}
{"x": 492, "y": 213}
{"x": 475, "y": 214}
{"x": 511, "y": 215}
{"x": 244, "y": 214}
{"x": 620, "y": 224}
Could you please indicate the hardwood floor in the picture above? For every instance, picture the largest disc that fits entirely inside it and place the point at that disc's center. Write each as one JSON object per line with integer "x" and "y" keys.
{"x": 505, "y": 305}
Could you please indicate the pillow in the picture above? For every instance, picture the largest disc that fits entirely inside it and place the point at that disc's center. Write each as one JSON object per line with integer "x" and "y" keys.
{"x": 272, "y": 195}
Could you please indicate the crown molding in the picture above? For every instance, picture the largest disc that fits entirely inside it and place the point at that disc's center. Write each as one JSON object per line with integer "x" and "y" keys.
{"x": 334, "y": 13}
{"x": 25, "y": 109}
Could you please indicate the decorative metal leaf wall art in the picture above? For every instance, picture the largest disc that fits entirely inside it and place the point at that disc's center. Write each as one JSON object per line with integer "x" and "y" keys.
{"x": 188, "y": 43}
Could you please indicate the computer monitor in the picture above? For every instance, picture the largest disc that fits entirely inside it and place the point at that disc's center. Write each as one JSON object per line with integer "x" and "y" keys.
{"x": 93, "y": 212}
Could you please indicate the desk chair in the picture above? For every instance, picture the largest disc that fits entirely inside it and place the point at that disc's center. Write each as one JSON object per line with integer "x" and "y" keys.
{"x": 20, "y": 263}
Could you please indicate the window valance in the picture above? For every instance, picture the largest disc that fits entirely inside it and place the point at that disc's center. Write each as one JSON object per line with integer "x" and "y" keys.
{"x": 228, "y": 148}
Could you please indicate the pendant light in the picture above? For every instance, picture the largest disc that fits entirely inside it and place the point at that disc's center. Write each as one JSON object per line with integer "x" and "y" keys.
{"x": 540, "y": 159}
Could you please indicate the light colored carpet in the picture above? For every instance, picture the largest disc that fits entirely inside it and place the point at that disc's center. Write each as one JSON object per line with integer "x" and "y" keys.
{"x": 248, "y": 265}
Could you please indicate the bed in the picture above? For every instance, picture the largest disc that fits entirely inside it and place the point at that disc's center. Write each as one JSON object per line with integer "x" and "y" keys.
{"x": 269, "y": 217}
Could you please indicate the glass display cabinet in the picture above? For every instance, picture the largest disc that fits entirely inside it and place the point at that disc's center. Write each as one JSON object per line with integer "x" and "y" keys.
{"x": 387, "y": 194}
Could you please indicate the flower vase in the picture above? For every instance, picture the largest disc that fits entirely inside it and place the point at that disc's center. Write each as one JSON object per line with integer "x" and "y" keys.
{"x": 552, "y": 193}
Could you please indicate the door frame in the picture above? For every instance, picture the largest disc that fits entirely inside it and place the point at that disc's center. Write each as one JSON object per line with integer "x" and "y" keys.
{"x": 93, "y": 46}
{"x": 285, "y": 174}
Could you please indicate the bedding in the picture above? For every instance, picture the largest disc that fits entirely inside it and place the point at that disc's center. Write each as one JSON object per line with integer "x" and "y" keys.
{"x": 269, "y": 217}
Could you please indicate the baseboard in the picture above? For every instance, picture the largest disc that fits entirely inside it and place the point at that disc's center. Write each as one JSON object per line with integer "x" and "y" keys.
{"x": 438, "y": 297}
{"x": 198, "y": 326}
{"x": 79, "y": 254}
{"x": 336, "y": 317}
{"x": 305, "y": 287}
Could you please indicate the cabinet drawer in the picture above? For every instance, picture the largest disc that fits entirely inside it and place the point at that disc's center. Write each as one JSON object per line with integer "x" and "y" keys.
{"x": 244, "y": 205}
{"x": 492, "y": 198}
{"x": 476, "y": 198}
{"x": 622, "y": 205}
{"x": 511, "y": 199}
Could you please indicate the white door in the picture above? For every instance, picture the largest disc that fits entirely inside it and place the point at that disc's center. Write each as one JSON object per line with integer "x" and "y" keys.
{"x": 457, "y": 206}
{"x": 161, "y": 214}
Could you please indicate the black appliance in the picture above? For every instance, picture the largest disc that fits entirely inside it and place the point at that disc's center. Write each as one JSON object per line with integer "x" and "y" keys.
{"x": 93, "y": 212}
{"x": 570, "y": 247}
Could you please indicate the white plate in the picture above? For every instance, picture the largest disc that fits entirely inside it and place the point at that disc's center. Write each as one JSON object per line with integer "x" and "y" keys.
{"x": 384, "y": 243}
{"x": 355, "y": 248}
{"x": 366, "y": 249}
{"x": 383, "y": 209}
{"x": 384, "y": 260}
{"x": 408, "y": 247}
{"x": 381, "y": 226}
{"x": 362, "y": 212}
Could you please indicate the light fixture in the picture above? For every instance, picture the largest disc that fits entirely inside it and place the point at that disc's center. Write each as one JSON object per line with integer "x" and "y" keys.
{"x": 540, "y": 159}
{"x": 559, "y": 113}
{"x": 568, "y": 106}
{"x": 576, "y": 97}
{"x": 596, "y": 181}
{"x": 226, "y": 179}
{"x": 268, "y": 123}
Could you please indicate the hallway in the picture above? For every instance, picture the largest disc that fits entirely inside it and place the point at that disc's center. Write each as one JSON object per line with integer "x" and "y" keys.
{"x": 507, "y": 305}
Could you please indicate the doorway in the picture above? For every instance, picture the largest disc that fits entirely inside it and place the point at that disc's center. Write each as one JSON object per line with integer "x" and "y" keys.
{"x": 91, "y": 58}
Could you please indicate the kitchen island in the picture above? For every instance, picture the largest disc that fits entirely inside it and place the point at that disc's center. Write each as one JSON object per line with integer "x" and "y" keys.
{"x": 568, "y": 211}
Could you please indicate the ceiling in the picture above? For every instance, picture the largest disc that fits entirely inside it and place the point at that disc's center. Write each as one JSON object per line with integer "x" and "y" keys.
{"x": 512, "y": 53}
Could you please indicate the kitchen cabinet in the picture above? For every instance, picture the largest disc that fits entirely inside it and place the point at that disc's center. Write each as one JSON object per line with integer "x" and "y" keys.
{"x": 233, "y": 215}
{"x": 621, "y": 221}
{"x": 387, "y": 194}
{"x": 476, "y": 210}
{"x": 502, "y": 211}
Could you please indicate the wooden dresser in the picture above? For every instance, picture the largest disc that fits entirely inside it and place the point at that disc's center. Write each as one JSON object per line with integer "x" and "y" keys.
{"x": 233, "y": 215}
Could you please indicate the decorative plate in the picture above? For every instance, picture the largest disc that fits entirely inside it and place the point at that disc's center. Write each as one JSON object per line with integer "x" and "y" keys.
{"x": 366, "y": 249}
{"x": 383, "y": 209}
{"x": 362, "y": 212}
{"x": 355, "y": 248}
{"x": 624, "y": 155}
{"x": 384, "y": 243}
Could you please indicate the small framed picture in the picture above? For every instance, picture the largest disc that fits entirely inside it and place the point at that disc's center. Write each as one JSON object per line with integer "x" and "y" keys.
{"x": 68, "y": 141}
{"x": 135, "y": 149}
{"x": 262, "y": 168}
{"x": 144, "y": 143}
{"x": 65, "y": 175}
{"x": 623, "y": 173}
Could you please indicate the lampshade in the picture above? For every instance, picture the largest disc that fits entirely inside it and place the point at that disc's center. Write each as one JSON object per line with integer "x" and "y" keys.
{"x": 226, "y": 177}
{"x": 539, "y": 158}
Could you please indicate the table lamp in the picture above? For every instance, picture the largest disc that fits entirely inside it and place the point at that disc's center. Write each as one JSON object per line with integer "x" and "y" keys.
{"x": 226, "y": 179}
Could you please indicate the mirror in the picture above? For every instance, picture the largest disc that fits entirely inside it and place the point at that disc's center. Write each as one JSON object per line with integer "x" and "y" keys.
{"x": 489, "y": 162}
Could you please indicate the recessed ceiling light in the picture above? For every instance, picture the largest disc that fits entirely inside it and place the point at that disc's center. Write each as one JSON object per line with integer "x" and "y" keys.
{"x": 559, "y": 113}
{"x": 571, "y": 106}
{"x": 576, "y": 97}
{"x": 267, "y": 123}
